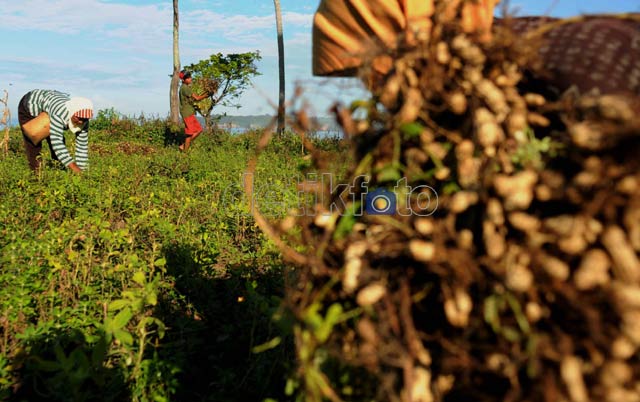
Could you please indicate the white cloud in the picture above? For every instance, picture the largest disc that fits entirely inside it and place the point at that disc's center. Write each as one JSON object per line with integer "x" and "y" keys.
{"x": 128, "y": 56}
{"x": 77, "y": 16}
{"x": 142, "y": 28}
{"x": 209, "y": 21}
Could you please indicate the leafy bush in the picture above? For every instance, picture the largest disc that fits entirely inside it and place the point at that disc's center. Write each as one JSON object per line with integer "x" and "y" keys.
{"x": 139, "y": 280}
{"x": 105, "y": 119}
{"x": 114, "y": 126}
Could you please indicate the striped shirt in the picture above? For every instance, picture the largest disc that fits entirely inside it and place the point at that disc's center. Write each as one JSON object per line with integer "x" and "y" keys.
{"x": 54, "y": 104}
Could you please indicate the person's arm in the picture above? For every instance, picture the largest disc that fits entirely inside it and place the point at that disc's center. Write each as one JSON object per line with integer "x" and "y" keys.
{"x": 187, "y": 92}
{"x": 199, "y": 97}
{"x": 74, "y": 167}
{"x": 56, "y": 134}
{"x": 82, "y": 148}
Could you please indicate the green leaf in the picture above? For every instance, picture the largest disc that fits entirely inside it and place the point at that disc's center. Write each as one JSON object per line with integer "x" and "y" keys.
{"x": 290, "y": 387}
{"x": 491, "y": 313}
{"x": 161, "y": 328}
{"x": 121, "y": 319}
{"x": 333, "y": 313}
{"x": 139, "y": 278}
{"x": 137, "y": 304}
{"x": 60, "y": 355}
{"x": 312, "y": 317}
{"x": 160, "y": 262}
{"x": 521, "y": 318}
{"x": 99, "y": 353}
{"x": 107, "y": 328}
{"x": 388, "y": 174}
{"x": 267, "y": 345}
{"x": 511, "y": 334}
{"x": 346, "y": 221}
{"x": 128, "y": 294}
{"x": 323, "y": 332}
{"x": 118, "y": 304}
{"x": 124, "y": 337}
{"x": 47, "y": 365}
{"x": 152, "y": 298}
{"x": 411, "y": 130}
{"x": 81, "y": 362}
{"x": 451, "y": 188}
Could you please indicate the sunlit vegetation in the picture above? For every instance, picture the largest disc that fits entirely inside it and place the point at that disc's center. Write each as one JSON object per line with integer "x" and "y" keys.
{"x": 146, "y": 277}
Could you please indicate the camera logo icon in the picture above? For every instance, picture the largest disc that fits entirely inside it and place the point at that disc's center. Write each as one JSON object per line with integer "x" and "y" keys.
{"x": 380, "y": 202}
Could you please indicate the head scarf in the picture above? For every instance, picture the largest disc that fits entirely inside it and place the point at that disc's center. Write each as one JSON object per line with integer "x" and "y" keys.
{"x": 79, "y": 107}
{"x": 343, "y": 30}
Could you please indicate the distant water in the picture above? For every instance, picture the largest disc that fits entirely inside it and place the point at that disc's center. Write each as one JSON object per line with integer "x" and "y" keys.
{"x": 317, "y": 134}
{"x": 236, "y": 130}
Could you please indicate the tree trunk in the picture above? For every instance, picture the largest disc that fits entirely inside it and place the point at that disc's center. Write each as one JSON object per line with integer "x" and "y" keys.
{"x": 174, "y": 100}
{"x": 6, "y": 122}
{"x": 281, "y": 107}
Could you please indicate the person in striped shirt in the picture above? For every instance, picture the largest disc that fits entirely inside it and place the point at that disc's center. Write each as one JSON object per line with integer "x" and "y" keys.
{"x": 46, "y": 114}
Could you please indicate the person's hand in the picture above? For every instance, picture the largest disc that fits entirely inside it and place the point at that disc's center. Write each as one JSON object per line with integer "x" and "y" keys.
{"x": 198, "y": 98}
{"x": 74, "y": 168}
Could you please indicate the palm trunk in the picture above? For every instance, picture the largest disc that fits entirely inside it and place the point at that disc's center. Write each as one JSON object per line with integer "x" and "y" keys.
{"x": 174, "y": 101}
{"x": 6, "y": 122}
{"x": 281, "y": 107}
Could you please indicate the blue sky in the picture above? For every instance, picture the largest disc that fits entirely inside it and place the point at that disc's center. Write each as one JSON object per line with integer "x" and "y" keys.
{"x": 119, "y": 52}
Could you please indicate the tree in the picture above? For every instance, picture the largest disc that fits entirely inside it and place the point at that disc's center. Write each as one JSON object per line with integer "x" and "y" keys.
{"x": 174, "y": 99}
{"x": 5, "y": 121}
{"x": 231, "y": 74}
{"x": 281, "y": 107}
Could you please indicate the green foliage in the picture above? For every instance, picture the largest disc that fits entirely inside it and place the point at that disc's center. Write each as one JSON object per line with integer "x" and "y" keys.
{"x": 138, "y": 280}
{"x": 117, "y": 127}
{"x": 105, "y": 119}
{"x": 531, "y": 151}
{"x": 233, "y": 73}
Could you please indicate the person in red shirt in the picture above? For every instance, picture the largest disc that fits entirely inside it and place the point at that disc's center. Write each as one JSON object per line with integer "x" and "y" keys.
{"x": 188, "y": 112}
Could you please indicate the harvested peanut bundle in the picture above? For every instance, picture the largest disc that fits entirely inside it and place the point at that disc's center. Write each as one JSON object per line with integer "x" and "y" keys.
{"x": 508, "y": 268}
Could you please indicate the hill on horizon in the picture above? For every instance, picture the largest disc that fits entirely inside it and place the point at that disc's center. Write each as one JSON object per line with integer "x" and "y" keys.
{"x": 322, "y": 123}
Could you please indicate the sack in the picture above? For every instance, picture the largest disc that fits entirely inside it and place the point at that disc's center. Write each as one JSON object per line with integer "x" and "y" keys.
{"x": 37, "y": 129}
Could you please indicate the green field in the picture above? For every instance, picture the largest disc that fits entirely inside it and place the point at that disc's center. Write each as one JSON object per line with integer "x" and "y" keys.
{"x": 146, "y": 277}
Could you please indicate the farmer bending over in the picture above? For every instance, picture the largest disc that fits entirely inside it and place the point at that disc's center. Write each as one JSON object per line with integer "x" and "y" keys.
{"x": 187, "y": 97}
{"x": 46, "y": 114}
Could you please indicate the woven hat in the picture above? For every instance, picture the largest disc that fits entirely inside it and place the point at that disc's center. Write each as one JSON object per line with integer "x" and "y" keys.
{"x": 79, "y": 107}
{"x": 343, "y": 30}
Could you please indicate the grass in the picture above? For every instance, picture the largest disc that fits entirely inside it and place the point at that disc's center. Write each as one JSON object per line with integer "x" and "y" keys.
{"x": 146, "y": 277}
